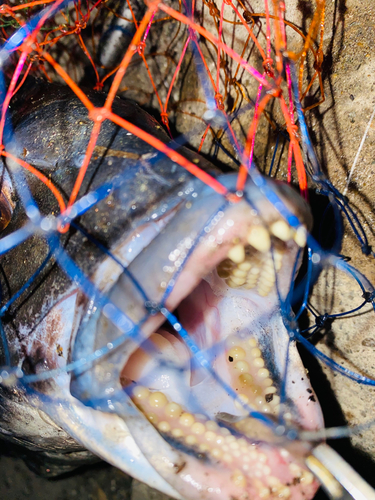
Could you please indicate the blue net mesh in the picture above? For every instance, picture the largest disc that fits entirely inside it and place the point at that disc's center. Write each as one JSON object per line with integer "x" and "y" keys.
{"x": 112, "y": 317}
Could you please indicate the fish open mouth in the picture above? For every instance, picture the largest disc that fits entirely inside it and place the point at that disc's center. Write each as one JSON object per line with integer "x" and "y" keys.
{"x": 203, "y": 391}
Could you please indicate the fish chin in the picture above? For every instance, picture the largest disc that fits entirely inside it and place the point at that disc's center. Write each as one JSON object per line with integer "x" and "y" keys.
{"x": 201, "y": 393}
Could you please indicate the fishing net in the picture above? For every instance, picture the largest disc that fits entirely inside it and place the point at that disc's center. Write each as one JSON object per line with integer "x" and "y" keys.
{"x": 240, "y": 83}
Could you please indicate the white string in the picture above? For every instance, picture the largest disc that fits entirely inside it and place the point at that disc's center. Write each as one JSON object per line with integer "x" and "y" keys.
{"x": 358, "y": 153}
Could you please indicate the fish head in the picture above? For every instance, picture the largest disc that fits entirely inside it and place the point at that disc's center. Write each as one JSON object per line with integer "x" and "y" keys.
{"x": 157, "y": 332}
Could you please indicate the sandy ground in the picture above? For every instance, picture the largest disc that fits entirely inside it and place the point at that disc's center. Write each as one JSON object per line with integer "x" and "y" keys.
{"x": 97, "y": 482}
{"x": 103, "y": 482}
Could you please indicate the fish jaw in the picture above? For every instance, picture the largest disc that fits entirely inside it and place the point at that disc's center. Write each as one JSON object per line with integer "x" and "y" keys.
{"x": 161, "y": 367}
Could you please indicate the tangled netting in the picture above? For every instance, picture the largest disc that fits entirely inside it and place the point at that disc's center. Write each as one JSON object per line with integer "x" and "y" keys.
{"x": 75, "y": 42}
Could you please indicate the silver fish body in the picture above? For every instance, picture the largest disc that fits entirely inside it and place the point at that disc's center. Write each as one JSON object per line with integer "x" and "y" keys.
{"x": 159, "y": 241}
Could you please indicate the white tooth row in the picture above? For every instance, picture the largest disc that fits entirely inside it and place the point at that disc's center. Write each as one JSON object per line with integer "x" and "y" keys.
{"x": 245, "y": 460}
{"x": 284, "y": 232}
{"x": 250, "y": 377}
{"x": 256, "y": 265}
{"x": 304, "y": 476}
{"x": 257, "y": 269}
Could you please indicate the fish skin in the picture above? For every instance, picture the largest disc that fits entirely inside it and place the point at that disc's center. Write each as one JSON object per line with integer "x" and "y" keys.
{"x": 53, "y": 290}
{"x": 56, "y": 147}
{"x": 148, "y": 185}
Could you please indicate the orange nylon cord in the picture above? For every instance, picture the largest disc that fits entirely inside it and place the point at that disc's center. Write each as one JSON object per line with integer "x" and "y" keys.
{"x": 296, "y": 149}
{"x": 98, "y": 115}
{"x": 250, "y": 31}
{"x": 82, "y": 171}
{"x": 78, "y": 92}
{"x": 30, "y": 4}
{"x": 10, "y": 92}
{"x": 242, "y": 174}
{"x": 173, "y": 155}
{"x": 40, "y": 176}
{"x": 232, "y": 53}
{"x": 129, "y": 54}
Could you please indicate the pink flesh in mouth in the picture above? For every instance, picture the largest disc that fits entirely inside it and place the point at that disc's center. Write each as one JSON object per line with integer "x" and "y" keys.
{"x": 260, "y": 470}
{"x": 229, "y": 324}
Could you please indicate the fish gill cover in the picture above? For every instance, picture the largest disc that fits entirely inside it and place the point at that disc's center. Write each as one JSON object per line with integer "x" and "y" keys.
{"x": 151, "y": 308}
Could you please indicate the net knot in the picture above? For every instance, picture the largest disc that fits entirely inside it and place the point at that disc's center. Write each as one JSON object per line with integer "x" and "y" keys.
{"x": 294, "y": 129}
{"x": 99, "y": 86}
{"x": 152, "y": 307}
{"x": 318, "y": 62}
{"x": 267, "y": 66}
{"x": 366, "y": 249}
{"x": 321, "y": 320}
{"x": 99, "y": 114}
{"x": 80, "y": 25}
{"x": 219, "y": 101}
{"x": 141, "y": 48}
{"x": 5, "y": 9}
{"x": 249, "y": 18}
{"x": 213, "y": 10}
{"x": 164, "y": 118}
{"x": 369, "y": 296}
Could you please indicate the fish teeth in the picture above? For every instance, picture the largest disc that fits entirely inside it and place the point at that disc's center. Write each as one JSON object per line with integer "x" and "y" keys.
{"x": 232, "y": 284}
{"x": 281, "y": 230}
{"x": 236, "y": 354}
{"x": 258, "y": 362}
{"x": 173, "y": 410}
{"x": 239, "y": 273}
{"x": 219, "y": 443}
{"x": 237, "y": 254}
{"x": 244, "y": 266}
{"x": 238, "y": 479}
{"x": 263, "y": 291}
{"x": 242, "y": 366}
{"x": 257, "y": 264}
{"x": 191, "y": 440}
{"x": 259, "y": 238}
{"x": 157, "y": 400}
{"x": 249, "y": 375}
{"x": 186, "y": 420}
{"x": 198, "y": 428}
{"x": 270, "y": 390}
{"x": 300, "y": 236}
{"x": 164, "y": 426}
{"x": 141, "y": 393}
{"x": 268, "y": 273}
{"x": 277, "y": 259}
{"x": 238, "y": 281}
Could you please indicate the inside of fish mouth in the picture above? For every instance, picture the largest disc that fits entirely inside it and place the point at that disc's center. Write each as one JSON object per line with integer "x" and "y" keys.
{"x": 221, "y": 315}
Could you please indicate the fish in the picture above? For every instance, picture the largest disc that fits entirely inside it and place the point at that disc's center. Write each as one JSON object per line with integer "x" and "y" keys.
{"x": 155, "y": 333}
